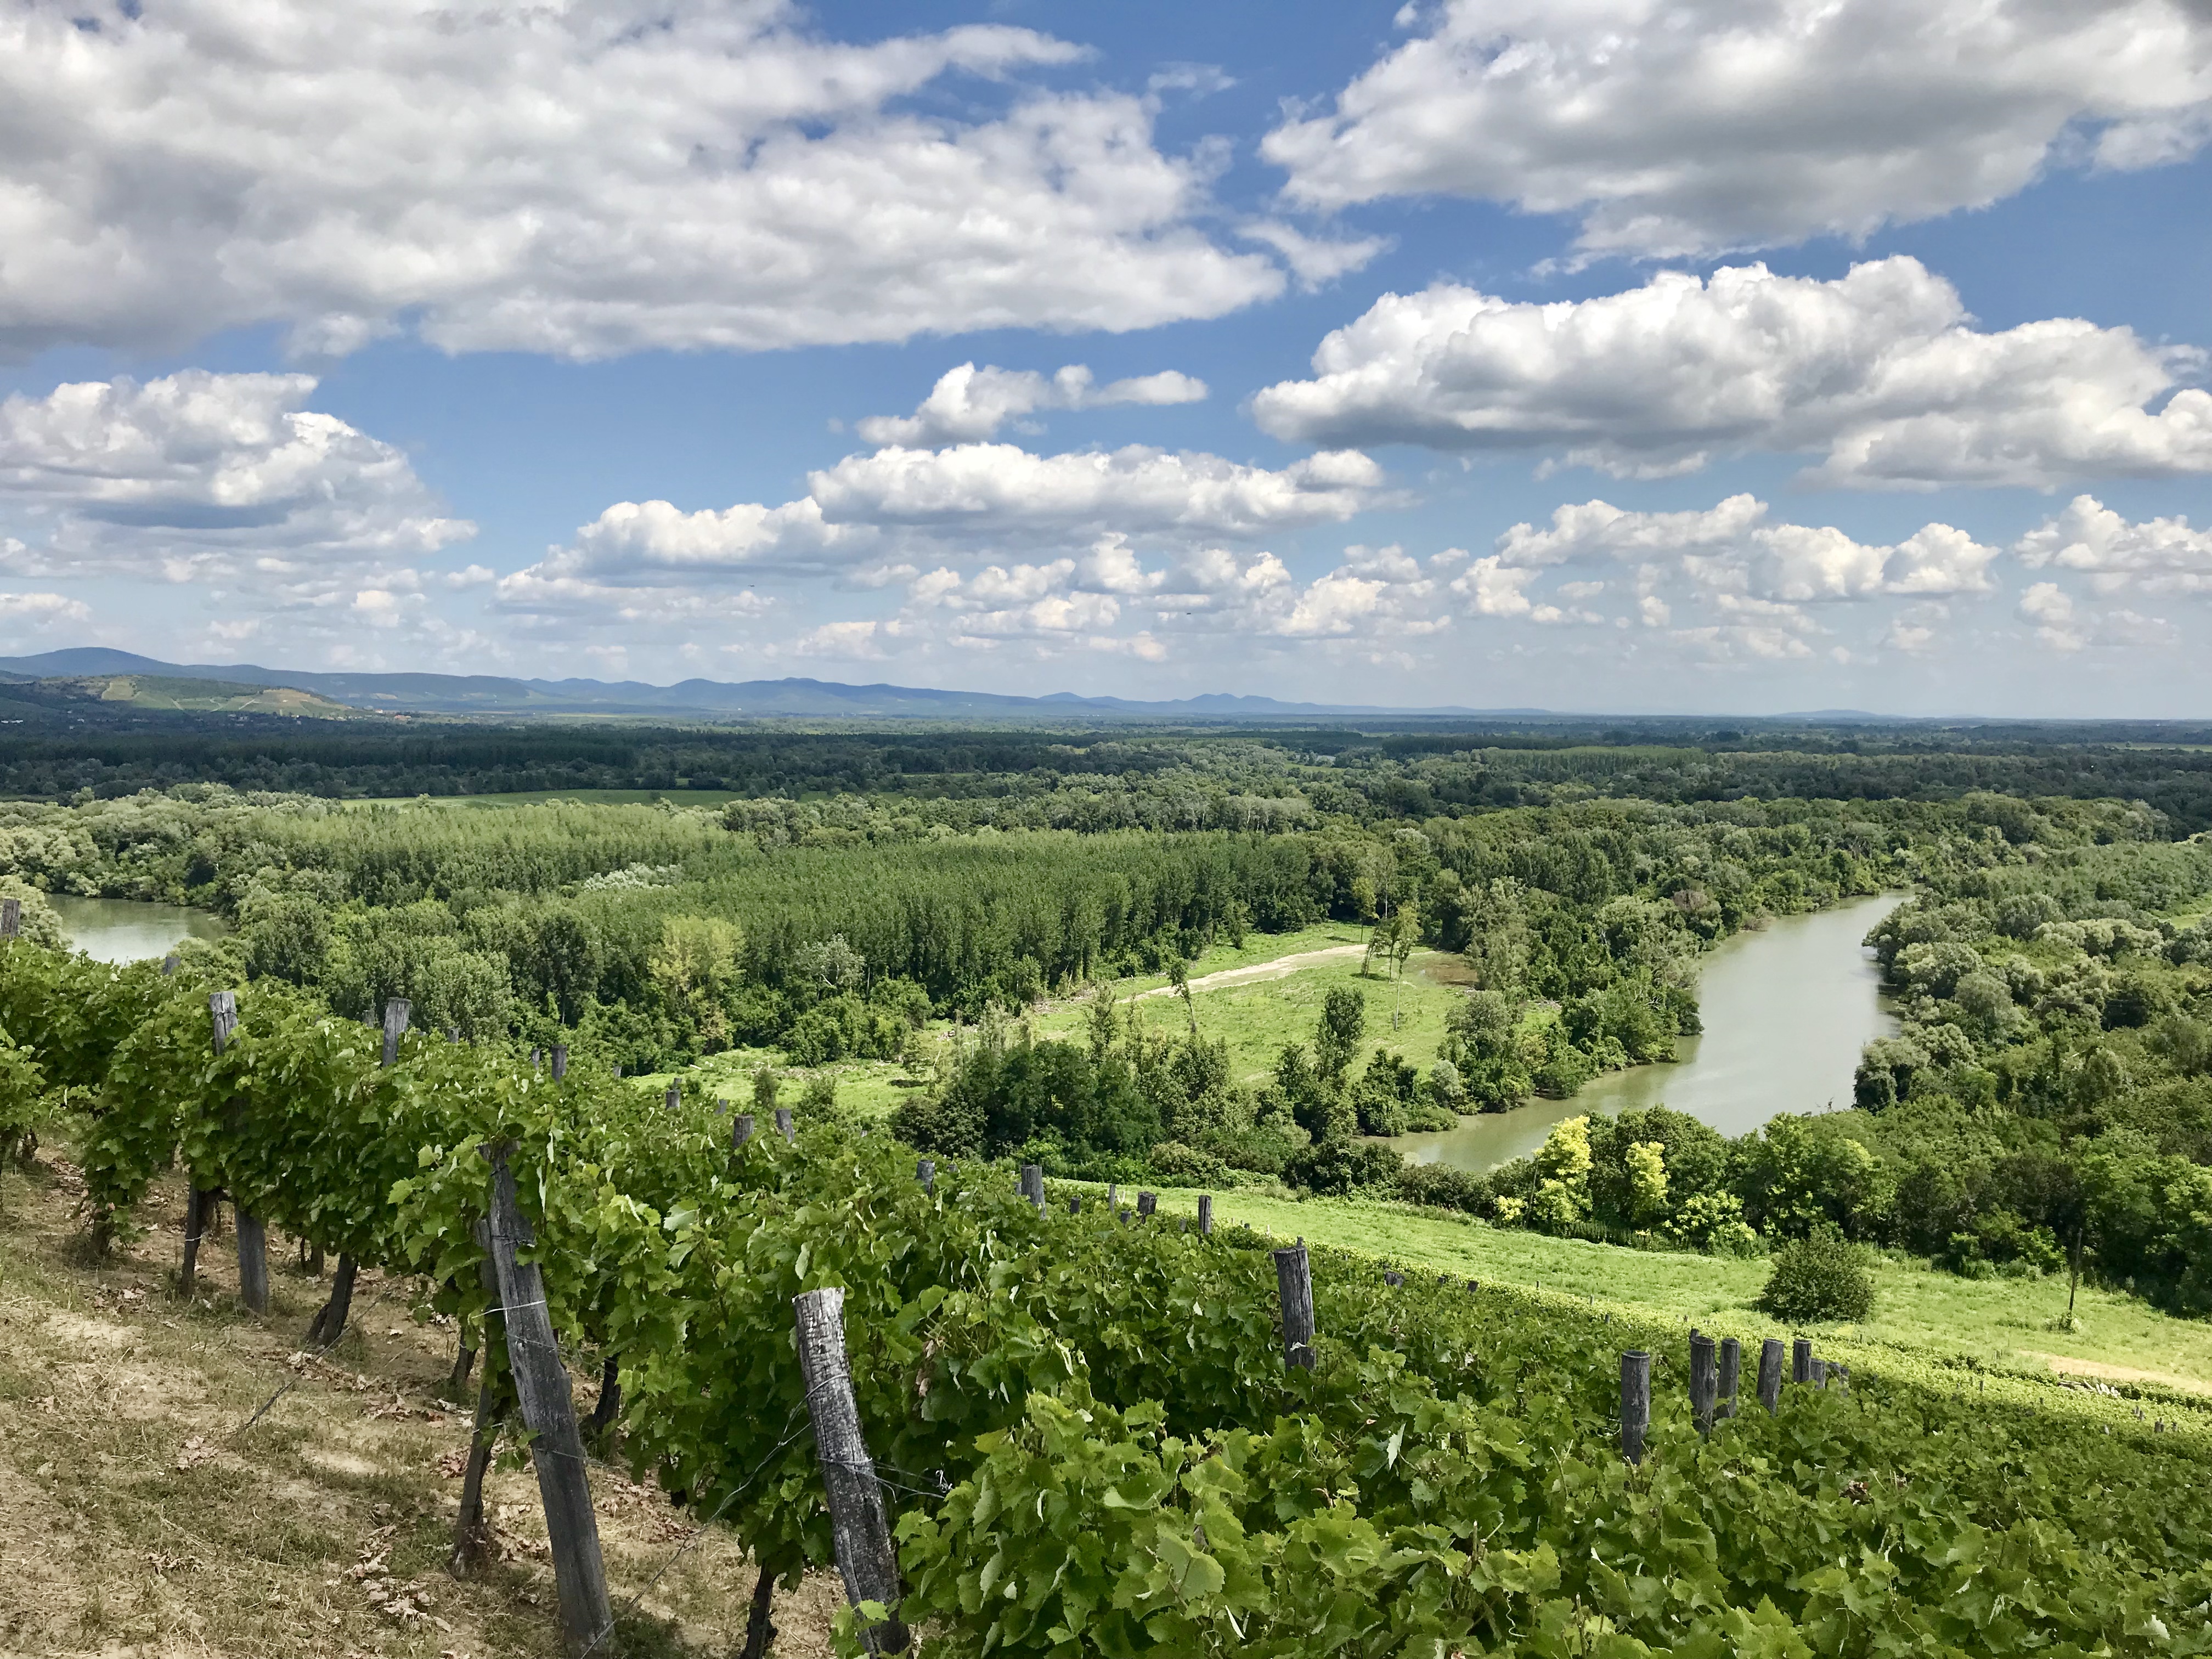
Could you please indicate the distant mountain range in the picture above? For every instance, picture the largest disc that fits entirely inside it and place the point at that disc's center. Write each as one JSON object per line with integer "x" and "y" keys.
{"x": 147, "y": 684}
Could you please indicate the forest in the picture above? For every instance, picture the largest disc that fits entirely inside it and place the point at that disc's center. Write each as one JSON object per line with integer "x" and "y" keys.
{"x": 916, "y": 899}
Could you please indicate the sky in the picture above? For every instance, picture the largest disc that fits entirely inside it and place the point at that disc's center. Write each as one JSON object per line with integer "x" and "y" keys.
{"x": 1610, "y": 355}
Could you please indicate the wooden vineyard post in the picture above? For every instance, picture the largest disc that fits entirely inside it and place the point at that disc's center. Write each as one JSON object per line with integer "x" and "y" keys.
{"x": 1033, "y": 1185}
{"x": 1705, "y": 1383}
{"x": 925, "y": 1171}
{"x": 1635, "y": 1403}
{"x": 674, "y": 1099}
{"x": 560, "y": 1061}
{"x": 253, "y": 1237}
{"x": 1294, "y": 1288}
{"x": 1206, "y": 1213}
{"x": 168, "y": 964}
{"x": 549, "y": 1411}
{"x": 858, "y": 1522}
{"x": 1392, "y": 1278}
{"x": 1770, "y": 1374}
{"x": 1113, "y": 1199}
{"x": 11, "y": 917}
{"x": 1818, "y": 1373}
{"x": 1731, "y": 1371}
{"x": 741, "y": 1130}
{"x": 1075, "y": 1204}
{"x": 1148, "y": 1205}
{"x": 1801, "y": 1359}
{"x": 396, "y": 1013}
{"x": 783, "y": 1123}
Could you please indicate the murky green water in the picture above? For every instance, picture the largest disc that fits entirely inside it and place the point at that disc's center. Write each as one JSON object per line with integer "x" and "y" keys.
{"x": 1786, "y": 1011}
{"x": 131, "y": 930}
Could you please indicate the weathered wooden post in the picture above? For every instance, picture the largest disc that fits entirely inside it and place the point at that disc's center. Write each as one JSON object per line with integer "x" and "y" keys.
{"x": 858, "y": 1522}
{"x": 1206, "y": 1213}
{"x": 11, "y": 917}
{"x": 1635, "y": 1403}
{"x": 537, "y": 1058}
{"x": 741, "y": 1130}
{"x": 1294, "y": 1289}
{"x": 1394, "y": 1279}
{"x": 1148, "y": 1205}
{"x": 168, "y": 964}
{"x": 1705, "y": 1383}
{"x": 1075, "y": 1204}
{"x": 549, "y": 1411}
{"x": 396, "y": 1013}
{"x": 674, "y": 1099}
{"x": 1113, "y": 1199}
{"x": 253, "y": 1237}
{"x": 1801, "y": 1359}
{"x": 1818, "y": 1372}
{"x": 1731, "y": 1371}
{"x": 560, "y": 1060}
{"x": 783, "y": 1123}
{"x": 1770, "y": 1374}
{"x": 925, "y": 1171}
{"x": 1033, "y": 1185}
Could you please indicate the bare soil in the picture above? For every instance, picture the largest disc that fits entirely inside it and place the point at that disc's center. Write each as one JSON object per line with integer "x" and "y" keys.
{"x": 139, "y": 1516}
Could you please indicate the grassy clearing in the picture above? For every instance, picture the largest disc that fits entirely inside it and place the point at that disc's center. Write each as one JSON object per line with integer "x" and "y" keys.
{"x": 1256, "y": 1018}
{"x": 539, "y": 797}
{"x": 135, "y": 1518}
{"x": 2004, "y": 1325}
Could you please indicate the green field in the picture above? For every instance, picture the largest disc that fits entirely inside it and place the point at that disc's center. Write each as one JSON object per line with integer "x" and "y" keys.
{"x": 1257, "y": 1018}
{"x": 540, "y": 797}
{"x": 2000, "y": 1325}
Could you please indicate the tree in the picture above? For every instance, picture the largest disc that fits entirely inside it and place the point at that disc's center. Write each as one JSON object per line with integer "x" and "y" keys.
{"x": 1337, "y": 1038}
{"x": 1179, "y": 977}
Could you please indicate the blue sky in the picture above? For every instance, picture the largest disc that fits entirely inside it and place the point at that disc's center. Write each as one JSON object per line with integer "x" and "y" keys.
{"x": 1735, "y": 354}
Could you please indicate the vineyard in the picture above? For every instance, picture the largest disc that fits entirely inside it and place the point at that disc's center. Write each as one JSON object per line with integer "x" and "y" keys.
{"x": 1084, "y": 1431}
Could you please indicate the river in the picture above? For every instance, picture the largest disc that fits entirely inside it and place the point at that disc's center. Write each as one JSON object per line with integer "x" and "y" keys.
{"x": 131, "y": 930}
{"x": 1786, "y": 1010}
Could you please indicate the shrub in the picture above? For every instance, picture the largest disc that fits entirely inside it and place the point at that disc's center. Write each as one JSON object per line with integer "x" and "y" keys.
{"x": 1335, "y": 1168}
{"x": 1818, "y": 1278}
{"x": 1177, "y": 1165}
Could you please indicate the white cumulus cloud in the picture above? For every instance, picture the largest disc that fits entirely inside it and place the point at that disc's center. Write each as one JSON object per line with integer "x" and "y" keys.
{"x": 1880, "y": 372}
{"x": 201, "y": 472}
{"x": 1671, "y": 127}
{"x": 969, "y": 404}
{"x": 1734, "y": 546}
{"x": 2159, "y": 555}
{"x": 576, "y": 179}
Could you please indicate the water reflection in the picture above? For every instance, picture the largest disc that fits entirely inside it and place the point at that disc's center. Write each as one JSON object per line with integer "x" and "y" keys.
{"x": 131, "y": 930}
{"x": 1786, "y": 1011}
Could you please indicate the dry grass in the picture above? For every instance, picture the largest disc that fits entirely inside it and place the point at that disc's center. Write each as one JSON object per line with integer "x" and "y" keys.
{"x": 138, "y": 1518}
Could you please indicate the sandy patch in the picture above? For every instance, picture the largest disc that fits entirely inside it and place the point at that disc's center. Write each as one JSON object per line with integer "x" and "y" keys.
{"x": 2067, "y": 1366}
{"x": 1280, "y": 968}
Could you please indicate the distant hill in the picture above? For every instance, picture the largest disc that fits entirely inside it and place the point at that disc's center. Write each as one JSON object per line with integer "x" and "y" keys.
{"x": 484, "y": 694}
{"x": 173, "y": 693}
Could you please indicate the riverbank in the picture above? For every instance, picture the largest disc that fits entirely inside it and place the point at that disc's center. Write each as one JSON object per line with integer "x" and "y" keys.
{"x": 1787, "y": 1008}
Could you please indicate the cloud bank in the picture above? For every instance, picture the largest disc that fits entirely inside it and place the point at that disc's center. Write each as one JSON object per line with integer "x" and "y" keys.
{"x": 1880, "y": 372}
{"x": 1684, "y": 127}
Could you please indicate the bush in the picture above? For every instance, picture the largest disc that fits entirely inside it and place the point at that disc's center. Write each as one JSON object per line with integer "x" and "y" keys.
{"x": 1338, "y": 1169}
{"x": 1818, "y": 1278}
{"x": 1173, "y": 1164}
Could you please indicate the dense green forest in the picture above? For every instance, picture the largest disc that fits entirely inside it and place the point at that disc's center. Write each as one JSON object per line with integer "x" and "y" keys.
{"x": 915, "y": 897}
{"x": 1138, "y": 775}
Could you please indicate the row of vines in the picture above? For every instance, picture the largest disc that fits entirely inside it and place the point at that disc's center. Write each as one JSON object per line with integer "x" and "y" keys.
{"x": 1086, "y": 1429}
